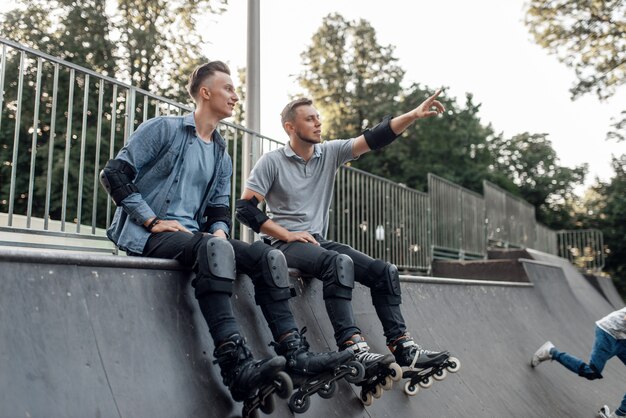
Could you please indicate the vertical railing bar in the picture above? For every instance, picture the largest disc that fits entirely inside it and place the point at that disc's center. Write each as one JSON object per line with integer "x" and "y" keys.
{"x": 81, "y": 164}
{"x": 96, "y": 165}
{"x": 145, "y": 108}
{"x": 131, "y": 110}
{"x": 16, "y": 137}
{"x": 3, "y": 63}
{"x": 112, "y": 142}
{"x": 33, "y": 145}
{"x": 55, "y": 89}
{"x": 68, "y": 142}
{"x": 127, "y": 116}
{"x": 234, "y": 182}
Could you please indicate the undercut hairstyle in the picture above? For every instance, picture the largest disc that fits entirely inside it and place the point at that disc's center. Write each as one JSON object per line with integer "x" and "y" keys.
{"x": 201, "y": 73}
{"x": 289, "y": 112}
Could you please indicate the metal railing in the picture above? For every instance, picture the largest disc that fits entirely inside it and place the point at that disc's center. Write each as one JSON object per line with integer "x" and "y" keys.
{"x": 584, "y": 248}
{"x": 458, "y": 220}
{"x": 60, "y": 123}
{"x": 381, "y": 218}
{"x": 510, "y": 220}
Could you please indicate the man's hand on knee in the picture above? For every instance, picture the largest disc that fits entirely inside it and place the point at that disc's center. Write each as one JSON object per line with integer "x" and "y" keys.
{"x": 301, "y": 236}
{"x": 164, "y": 225}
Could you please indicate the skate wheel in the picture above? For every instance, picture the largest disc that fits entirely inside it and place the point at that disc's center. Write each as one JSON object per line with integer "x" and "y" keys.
{"x": 328, "y": 391}
{"x": 299, "y": 405}
{"x": 454, "y": 365}
{"x": 366, "y": 398}
{"x": 378, "y": 391}
{"x": 387, "y": 383}
{"x": 440, "y": 375}
{"x": 357, "y": 372}
{"x": 411, "y": 389}
{"x": 426, "y": 382}
{"x": 284, "y": 385}
{"x": 395, "y": 372}
{"x": 267, "y": 405}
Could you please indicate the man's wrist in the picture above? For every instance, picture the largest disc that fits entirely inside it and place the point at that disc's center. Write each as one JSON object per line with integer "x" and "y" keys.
{"x": 149, "y": 225}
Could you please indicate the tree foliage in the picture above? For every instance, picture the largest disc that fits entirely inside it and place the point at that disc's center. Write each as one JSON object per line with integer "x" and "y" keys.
{"x": 590, "y": 37}
{"x": 151, "y": 44}
{"x": 354, "y": 81}
{"x": 136, "y": 45}
{"x": 349, "y": 75}
{"x": 606, "y": 210}
{"x": 532, "y": 164}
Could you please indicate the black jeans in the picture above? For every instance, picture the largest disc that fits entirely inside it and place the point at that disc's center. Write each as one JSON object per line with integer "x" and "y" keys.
{"x": 313, "y": 259}
{"x": 217, "y": 310}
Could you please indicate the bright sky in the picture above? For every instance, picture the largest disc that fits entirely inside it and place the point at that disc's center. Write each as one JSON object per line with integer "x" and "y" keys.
{"x": 479, "y": 46}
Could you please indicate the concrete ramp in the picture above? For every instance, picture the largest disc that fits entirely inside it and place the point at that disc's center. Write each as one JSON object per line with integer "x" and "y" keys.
{"x": 588, "y": 297}
{"x": 605, "y": 286}
{"x": 104, "y": 336}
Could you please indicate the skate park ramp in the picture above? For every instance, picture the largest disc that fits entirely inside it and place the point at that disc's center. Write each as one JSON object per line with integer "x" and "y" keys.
{"x": 106, "y": 336}
{"x": 605, "y": 286}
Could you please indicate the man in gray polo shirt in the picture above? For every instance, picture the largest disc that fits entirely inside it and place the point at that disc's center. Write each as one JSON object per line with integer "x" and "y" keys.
{"x": 297, "y": 181}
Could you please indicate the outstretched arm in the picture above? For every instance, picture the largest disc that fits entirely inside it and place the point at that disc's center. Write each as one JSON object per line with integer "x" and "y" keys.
{"x": 380, "y": 136}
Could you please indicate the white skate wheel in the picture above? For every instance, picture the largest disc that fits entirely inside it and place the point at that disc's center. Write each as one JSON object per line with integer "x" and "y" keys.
{"x": 387, "y": 383}
{"x": 378, "y": 391}
{"x": 395, "y": 372}
{"x": 410, "y": 389}
{"x": 454, "y": 366}
{"x": 366, "y": 398}
{"x": 440, "y": 375}
{"x": 426, "y": 382}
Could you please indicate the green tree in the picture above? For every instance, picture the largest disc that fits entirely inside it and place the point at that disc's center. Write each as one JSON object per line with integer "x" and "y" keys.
{"x": 83, "y": 33}
{"x": 157, "y": 45}
{"x": 588, "y": 36}
{"x": 532, "y": 164}
{"x": 454, "y": 146}
{"x": 352, "y": 79}
{"x": 607, "y": 211}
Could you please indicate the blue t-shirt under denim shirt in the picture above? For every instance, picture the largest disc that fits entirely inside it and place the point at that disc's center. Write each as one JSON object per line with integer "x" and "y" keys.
{"x": 187, "y": 198}
{"x": 157, "y": 151}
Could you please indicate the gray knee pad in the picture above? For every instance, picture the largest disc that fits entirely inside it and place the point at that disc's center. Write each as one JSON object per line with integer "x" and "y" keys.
{"x": 341, "y": 282}
{"x": 217, "y": 269}
{"x": 273, "y": 285}
{"x": 385, "y": 283}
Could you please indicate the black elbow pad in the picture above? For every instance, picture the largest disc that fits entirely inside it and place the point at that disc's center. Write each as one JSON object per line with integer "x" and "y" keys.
{"x": 216, "y": 214}
{"x": 117, "y": 179}
{"x": 380, "y": 135}
{"x": 248, "y": 214}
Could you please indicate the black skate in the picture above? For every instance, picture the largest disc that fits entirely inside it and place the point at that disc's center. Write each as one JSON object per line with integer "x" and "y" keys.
{"x": 380, "y": 370}
{"x": 315, "y": 372}
{"x": 252, "y": 381}
{"x": 421, "y": 366}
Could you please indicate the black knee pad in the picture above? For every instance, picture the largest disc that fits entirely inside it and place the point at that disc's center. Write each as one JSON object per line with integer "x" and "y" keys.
{"x": 385, "y": 283}
{"x": 339, "y": 280}
{"x": 216, "y": 268}
{"x": 593, "y": 375}
{"x": 273, "y": 283}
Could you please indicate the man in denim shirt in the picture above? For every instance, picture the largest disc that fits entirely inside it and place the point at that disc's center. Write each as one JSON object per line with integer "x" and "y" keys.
{"x": 171, "y": 183}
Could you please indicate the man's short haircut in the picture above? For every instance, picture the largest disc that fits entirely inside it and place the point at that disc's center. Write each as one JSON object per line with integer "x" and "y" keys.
{"x": 289, "y": 112}
{"x": 203, "y": 72}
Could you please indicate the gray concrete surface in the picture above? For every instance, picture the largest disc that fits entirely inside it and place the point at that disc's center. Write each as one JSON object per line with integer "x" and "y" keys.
{"x": 104, "y": 336}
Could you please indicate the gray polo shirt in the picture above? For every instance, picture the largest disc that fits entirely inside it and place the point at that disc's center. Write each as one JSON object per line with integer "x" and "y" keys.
{"x": 299, "y": 193}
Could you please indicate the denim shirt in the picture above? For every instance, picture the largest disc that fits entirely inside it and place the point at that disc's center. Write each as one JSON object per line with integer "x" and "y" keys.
{"x": 156, "y": 150}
